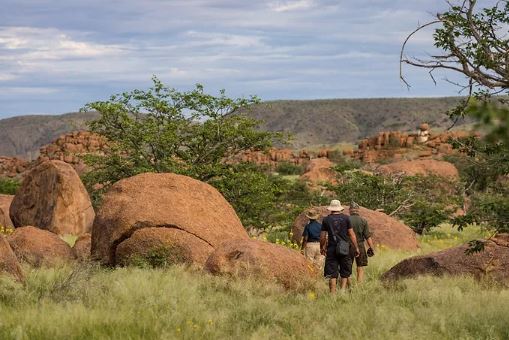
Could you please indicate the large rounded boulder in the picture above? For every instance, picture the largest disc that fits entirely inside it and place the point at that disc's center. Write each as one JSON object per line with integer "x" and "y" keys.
{"x": 152, "y": 212}
{"x": 53, "y": 198}
{"x": 81, "y": 248}
{"x": 39, "y": 247}
{"x": 5, "y": 204}
{"x": 386, "y": 230}
{"x": 492, "y": 262}
{"x": 254, "y": 258}
{"x": 422, "y": 167}
{"x": 8, "y": 262}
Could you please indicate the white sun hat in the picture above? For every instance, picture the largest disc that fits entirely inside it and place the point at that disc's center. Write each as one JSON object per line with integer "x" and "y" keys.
{"x": 335, "y": 205}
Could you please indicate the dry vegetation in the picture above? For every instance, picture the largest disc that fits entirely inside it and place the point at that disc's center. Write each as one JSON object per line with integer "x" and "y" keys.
{"x": 176, "y": 302}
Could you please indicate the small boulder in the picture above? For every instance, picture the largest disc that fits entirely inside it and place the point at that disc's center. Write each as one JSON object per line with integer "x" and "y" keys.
{"x": 5, "y": 204}
{"x": 319, "y": 170}
{"x": 8, "y": 262}
{"x": 189, "y": 213}
{"x": 81, "y": 248}
{"x": 53, "y": 198}
{"x": 492, "y": 263}
{"x": 39, "y": 247}
{"x": 260, "y": 259}
{"x": 386, "y": 230}
{"x": 421, "y": 167}
{"x": 170, "y": 245}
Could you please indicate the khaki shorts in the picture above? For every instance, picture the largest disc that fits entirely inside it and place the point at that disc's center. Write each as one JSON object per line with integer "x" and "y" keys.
{"x": 312, "y": 253}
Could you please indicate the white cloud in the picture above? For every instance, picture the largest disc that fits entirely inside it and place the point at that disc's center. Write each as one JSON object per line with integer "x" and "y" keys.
{"x": 285, "y": 6}
{"x": 30, "y": 43}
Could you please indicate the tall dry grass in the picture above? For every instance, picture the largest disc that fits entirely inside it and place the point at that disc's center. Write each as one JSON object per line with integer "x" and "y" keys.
{"x": 89, "y": 302}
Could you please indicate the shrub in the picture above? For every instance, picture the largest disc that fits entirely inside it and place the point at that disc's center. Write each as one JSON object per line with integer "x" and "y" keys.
{"x": 287, "y": 168}
{"x": 161, "y": 257}
{"x": 9, "y": 186}
{"x": 423, "y": 202}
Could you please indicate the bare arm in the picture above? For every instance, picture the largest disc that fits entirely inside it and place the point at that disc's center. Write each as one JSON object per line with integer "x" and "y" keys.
{"x": 351, "y": 233}
{"x": 303, "y": 242}
{"x": 370, "y": 242}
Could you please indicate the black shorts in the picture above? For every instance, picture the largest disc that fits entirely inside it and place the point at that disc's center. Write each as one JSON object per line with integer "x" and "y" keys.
{"x": 362, "y": 259}
{"x": 337, "y": 265}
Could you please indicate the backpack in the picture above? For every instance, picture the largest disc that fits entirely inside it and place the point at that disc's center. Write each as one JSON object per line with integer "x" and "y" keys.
{"x": 342, "y": 246}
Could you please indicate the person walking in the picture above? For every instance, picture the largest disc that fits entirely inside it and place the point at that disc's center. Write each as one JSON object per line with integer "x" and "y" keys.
{"x": 362, "y": 233}
{"x": 335, "y": 238}
{"x": 310, "y": 243}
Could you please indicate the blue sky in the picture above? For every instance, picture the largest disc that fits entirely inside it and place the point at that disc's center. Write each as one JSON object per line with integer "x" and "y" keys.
{"x": 55, "y": 55}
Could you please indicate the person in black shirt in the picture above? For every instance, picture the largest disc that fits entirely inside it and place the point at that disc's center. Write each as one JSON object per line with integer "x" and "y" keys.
{"x": 334, "y": 226}
{"x": 310, "y": 244}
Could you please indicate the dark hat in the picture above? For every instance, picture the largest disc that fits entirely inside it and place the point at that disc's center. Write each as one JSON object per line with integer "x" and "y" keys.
{"x": 354, "y": 206}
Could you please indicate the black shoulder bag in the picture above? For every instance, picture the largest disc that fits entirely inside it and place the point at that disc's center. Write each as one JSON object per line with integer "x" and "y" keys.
{"x": 342, "y": 246}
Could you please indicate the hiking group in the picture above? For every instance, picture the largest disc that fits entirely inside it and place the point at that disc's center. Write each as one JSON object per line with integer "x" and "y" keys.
{"x": 340, "y": 238}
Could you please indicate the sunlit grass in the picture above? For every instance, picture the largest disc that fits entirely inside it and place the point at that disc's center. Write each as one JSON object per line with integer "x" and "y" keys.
{"x": 89, "y": 302}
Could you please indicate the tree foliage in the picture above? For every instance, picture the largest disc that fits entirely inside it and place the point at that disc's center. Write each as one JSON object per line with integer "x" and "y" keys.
{"x": 9, "y": 186}
{"x": 164, "y": 130}
{"x": 423, "y": 202}
{"x": 474, "y": 42}
{"x": 198, "y": 135}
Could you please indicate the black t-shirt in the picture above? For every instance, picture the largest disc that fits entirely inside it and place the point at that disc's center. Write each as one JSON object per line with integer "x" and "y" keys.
{"x": 340, "y": 223}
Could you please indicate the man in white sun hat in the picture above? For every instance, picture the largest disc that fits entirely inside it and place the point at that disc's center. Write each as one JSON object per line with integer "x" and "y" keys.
{"x": 335, "y": 240}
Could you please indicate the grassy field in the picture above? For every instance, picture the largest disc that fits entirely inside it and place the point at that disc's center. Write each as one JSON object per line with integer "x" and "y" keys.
{"x": 176, "y": 302}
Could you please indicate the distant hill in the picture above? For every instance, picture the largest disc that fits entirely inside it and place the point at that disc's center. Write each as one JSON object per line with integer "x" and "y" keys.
{"x": 331, "y": 121}
{"x": 22, "y": 136}
{"x": 312, "y": 122}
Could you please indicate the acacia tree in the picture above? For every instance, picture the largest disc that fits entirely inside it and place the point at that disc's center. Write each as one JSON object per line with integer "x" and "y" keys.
{"x": 475, "y": 43}
{"x": 164, "y": 130}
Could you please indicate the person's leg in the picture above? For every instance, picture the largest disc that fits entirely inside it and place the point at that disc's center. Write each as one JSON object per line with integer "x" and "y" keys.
{"x": 344, "y": 282}
{"x": 332, "y": 286}
{"x": 317, "y": 256}
{"x": 331, "y": 269}
{"x": 360, "y": 274}
{"x": 307, "y": 252}
{"x": 361, "y": 261}
{"x": 345, "y": 270}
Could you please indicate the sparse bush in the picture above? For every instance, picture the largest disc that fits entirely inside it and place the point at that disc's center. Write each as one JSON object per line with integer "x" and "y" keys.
{"x": 347, "y": 164}
{"x": 161, "y": 257}
{"x": 423, "y": 202}
{"x": 9, "y": 186}
{"x": 287, "y": 168}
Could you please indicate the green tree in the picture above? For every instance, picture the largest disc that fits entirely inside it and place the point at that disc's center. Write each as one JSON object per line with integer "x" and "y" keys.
{"x": 164, "y": 130}
{"x": 191, "y": 133}
{"x": 423, "y": 202}
{"x": 475, "y": 43}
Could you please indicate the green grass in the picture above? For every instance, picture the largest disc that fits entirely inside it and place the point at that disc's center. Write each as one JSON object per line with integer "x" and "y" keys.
{"x": 89, "y": 302}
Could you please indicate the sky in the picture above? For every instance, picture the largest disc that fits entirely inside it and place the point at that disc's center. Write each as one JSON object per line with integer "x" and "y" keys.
{"x": 55, "y": 55}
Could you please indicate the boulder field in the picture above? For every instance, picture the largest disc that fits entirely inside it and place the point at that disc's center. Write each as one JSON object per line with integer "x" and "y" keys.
{"x": 386, "y": 230}
{"x": 53, "y": 198}
{"x": 492, "y": 263}
{"x": 149, "y": 211}
{"x": 39, "y": 247}
{"x": 254, "y": 258}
